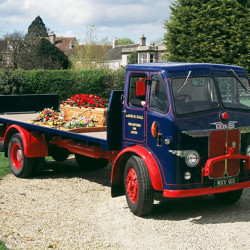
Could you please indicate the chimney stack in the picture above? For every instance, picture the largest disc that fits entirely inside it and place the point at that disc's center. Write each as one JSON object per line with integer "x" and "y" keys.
{"x": 52, "y": 38}
{"x": 143, "y": 40}
{"x": 115, "y": 42}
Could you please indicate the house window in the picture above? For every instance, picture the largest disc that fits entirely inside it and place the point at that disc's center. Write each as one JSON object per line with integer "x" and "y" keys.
{"x": 152, "y": 59}
{"x": 143, "y": 58}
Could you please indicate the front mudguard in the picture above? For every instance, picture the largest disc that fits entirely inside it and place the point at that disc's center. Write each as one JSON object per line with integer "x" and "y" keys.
{"x": 117, "y": 188}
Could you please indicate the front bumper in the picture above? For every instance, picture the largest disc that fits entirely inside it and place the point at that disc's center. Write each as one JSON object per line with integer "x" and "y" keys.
{"x": 204, "y": 191}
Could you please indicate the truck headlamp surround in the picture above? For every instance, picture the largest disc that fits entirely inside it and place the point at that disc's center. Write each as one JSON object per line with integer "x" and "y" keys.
{"x": 192, "y": 159}
{"x": 248, "y": 151}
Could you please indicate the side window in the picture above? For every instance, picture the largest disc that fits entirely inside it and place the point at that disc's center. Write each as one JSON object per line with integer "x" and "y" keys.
{"x": 158, "y": 95}
{"x": 136, "y": 94}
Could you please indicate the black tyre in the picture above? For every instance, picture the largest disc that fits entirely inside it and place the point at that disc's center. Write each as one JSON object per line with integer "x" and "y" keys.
{"x": 229, "y": 197}
{"x": 88, "y": 163}
{"x": 138, "y": 188}
{"x": 59, "y": 154}
{"x": 20, "y": 165}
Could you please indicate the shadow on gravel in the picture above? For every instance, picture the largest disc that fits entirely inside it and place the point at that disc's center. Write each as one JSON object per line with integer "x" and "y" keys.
{"x": 70, "y": 169}
{"x": 202, "y": 210}
{"x": 198, "y": 210}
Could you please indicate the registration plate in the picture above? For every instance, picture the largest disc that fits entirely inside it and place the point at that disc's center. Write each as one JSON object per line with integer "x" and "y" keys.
{"x": 226, "y": 182}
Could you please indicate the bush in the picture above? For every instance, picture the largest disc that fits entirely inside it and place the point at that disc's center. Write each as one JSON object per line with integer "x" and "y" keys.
{"x": 65, "y": 83}
{"x": 45, "y": 55}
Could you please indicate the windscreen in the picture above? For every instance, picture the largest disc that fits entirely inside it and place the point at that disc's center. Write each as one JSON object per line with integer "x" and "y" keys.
{"x": 234, "y": 92}
{"x": 194, "y": 94}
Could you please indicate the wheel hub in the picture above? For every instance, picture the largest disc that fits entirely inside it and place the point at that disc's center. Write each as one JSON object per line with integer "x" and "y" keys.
{"x": 19, "y": 155}
{"x": 132, "y": 185}
{"x": 16, "y": 156}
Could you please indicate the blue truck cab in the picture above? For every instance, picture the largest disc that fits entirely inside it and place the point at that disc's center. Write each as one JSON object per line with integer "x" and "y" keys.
{"x": 190, "y": 125}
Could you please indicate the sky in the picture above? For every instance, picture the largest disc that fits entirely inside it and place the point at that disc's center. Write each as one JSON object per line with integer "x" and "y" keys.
{"x": 111, "y": 18}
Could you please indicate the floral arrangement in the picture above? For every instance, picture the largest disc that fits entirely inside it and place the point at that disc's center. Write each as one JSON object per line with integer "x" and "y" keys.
{"x": 86, "y": 101}
{"x": 56, "y": 119}
{"x": 81, "y": 122}
{"x": 50, "y": 116}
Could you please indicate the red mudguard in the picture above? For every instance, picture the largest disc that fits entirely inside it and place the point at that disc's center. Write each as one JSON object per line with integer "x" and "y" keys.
{"x": 120, "y": 161}
{"x": 34, "y": 144}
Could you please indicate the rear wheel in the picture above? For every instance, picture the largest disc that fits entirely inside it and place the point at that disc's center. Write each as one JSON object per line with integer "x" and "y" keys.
{"x": 138, "y": 188}
{"x": 89, "y": 163}
{"x": 20, "y": 165}
{"x": 229, "y": 197}
{"x": 59, "y": 154}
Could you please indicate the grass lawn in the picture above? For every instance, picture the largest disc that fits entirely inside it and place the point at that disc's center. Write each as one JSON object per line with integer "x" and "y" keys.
{"x": 2, "y": 246}
{"x": 4, "y": 167}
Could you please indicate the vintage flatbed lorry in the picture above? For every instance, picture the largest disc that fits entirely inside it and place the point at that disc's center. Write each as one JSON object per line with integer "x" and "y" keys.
{"x": 178, "y": 129}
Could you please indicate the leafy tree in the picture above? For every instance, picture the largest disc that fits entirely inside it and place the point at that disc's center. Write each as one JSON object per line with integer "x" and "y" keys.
{"x": 125, "y": 41}
{"x": 91, "y": 55}
{"x": 36, "y": 29}
{"x": 13, "y": 48}
{"x": 45, "y": 55}
{"x": 215, "y": 31}
{"x": 133, "y": 58}
{"x": 3, "y": 47}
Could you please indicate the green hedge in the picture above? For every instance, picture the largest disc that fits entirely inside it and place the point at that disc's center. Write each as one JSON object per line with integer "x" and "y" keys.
{"x": 62, "y": 82}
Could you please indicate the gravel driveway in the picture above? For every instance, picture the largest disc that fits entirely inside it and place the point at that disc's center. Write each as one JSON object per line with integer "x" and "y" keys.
{"x": 66, "y": 208}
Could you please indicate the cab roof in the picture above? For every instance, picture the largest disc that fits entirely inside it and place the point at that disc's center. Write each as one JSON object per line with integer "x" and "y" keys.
{"x": 174, "y": 67}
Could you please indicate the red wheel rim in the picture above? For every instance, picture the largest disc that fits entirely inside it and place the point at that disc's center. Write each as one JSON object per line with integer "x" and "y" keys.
{"x": 16, "y": 156}
{"x": 132, "y": 185}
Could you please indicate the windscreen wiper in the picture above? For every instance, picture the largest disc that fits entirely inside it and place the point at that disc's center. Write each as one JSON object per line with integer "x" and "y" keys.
{"x": 185, "y": 82}
{"x": 238, "y": 79}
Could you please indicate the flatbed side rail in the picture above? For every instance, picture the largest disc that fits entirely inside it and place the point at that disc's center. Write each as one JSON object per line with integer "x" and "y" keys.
{"x": 27, "y": 103}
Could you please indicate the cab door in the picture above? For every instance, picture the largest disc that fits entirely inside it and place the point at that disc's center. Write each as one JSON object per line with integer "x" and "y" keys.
{"x": 159, "y": 129}
{"x": 134, "y": 109}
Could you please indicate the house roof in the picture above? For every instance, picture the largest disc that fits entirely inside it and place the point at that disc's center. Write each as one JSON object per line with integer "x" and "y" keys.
{"x": 116, "y": 53}
{"x": 63, "y": 43}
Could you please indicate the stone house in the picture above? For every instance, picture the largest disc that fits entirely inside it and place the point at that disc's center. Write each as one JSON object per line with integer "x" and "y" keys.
{"x": 62, "y": 43}
{"x": 116, "y": 56}
{"x": 119, "y": 55}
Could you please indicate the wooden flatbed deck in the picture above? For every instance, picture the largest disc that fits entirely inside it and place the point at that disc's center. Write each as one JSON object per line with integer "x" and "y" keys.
{"x": 27, "y": 117}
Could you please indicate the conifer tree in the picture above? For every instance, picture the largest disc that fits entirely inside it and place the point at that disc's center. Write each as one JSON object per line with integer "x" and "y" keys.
{"x": 36, "y": 29}
{"x": 213, "y": 31}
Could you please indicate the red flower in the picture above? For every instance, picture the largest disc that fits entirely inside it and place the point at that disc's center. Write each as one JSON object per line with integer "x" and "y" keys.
{"x": 86, "y": 100}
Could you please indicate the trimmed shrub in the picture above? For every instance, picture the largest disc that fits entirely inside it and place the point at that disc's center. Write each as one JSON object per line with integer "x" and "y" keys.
{"x": 65, "y": 83}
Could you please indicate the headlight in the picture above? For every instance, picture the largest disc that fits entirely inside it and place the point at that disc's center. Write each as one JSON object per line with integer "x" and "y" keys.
{"x": 187, "y": 176}
{"x": 193, "y": 159}
{"x": 248, "y": 151}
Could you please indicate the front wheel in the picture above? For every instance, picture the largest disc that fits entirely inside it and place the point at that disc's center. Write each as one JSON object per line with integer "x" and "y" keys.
{"x": 20, "y": 165}
{"x": 229, "y": 197}
{"x": 138, "y": 188}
